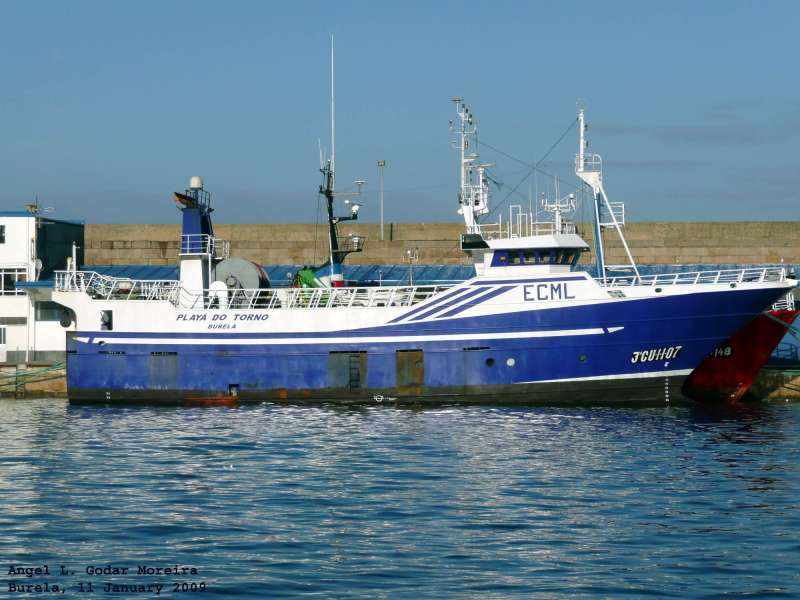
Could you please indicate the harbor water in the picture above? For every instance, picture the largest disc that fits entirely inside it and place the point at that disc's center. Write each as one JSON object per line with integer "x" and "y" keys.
{"x": 269, "y": 501}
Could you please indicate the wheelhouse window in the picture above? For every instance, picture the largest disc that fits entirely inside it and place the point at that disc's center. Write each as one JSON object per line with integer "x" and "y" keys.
{"x": 2, "y": 234}
{"x": 544, "y": 256}
{"x": 9, "y": 279}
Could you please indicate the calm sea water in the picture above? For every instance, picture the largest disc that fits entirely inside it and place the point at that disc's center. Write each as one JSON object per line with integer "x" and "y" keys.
{"x": 268, "y": 501}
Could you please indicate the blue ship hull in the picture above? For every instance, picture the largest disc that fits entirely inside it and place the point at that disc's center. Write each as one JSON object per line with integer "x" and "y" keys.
{"x": 643, "y": 351}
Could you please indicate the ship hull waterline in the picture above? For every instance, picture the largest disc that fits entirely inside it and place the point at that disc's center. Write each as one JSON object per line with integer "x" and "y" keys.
{"x": 640, "y": 391}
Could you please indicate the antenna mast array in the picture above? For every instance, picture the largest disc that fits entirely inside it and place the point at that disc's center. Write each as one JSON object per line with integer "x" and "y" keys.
{"x": 337, "y": 251}
{"x": 473, "y": 195}
{"x": 333, "y": 119}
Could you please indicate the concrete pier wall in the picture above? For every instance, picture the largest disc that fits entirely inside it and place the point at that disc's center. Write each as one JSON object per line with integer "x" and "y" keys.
{"x": 651, "y": 243}
{"x": 776, "y": 384}
{"x": 40, "y": 380}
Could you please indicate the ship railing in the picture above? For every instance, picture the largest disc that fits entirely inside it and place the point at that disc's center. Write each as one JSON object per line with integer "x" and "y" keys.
{"x": 491, "y": 231}
{"x": 787, "y": 351}
{"x": 617, "y": 216}
{"x": 523, "y": 226}
{"x": 104, "y": 287}
{"x": 308, "y": 298}
{"x": 194, "y": 244}
{"x": 754, "y": 274}
{"x": 592, "y": 163}
{"x": 785, "y": 303}
{"x": 352, "y": 243}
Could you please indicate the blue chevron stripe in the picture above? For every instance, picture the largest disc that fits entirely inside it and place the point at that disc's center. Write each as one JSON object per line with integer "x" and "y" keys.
{"x": 479, "y": 300}
{"x": 470, "y": 294}
{"x": 425, "y": 306}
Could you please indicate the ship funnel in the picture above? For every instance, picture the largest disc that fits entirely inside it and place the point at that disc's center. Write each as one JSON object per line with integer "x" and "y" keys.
{"x": 196, "y": 183}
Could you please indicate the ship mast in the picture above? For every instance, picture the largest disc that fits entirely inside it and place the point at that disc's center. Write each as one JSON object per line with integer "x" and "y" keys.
{"x": 333, "y": 120}
{"x": 589, "y": 168}
{"x": 327, "y": 189}
{"x": 591, "y": 174}
{"x": 473, "y": 195}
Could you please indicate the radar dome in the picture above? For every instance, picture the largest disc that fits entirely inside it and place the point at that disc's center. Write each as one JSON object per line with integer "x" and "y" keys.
{"x": 196, "y": 183}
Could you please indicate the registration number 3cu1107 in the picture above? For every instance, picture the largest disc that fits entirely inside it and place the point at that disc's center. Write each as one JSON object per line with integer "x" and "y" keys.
{"x": 655, "y": 354}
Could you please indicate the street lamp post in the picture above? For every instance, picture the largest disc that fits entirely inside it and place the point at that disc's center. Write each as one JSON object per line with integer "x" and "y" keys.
{"x": 411, "y": 257}
{"x": 381, "y": 165}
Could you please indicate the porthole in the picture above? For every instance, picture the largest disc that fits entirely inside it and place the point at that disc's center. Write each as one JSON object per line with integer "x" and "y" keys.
{"x": 582, "y": 357}
{"x": 658, "y": 290}
{"x": 489, "y": 362}
{"x": 511, "y": 362}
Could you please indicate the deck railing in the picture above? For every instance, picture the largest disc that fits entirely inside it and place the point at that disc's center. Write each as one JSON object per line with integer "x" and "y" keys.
{"x": 116, "y": 288}
{"x": 592, "y": 163}
{"x": 309, "y": 298}
{"x": 202, "y": 244}
{"x": 618, "y": 212}
{"x": 787, "y": 352}
{"x": 523, "y": 227}
{"x": 785, "y": 303}
{"x": 754, "y": 274}
{"x": 111, "y": 288}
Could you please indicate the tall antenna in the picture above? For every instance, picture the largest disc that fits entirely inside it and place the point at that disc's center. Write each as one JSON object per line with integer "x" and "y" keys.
{"x": 473, "y": 195}
{"x": 333, "y": 116}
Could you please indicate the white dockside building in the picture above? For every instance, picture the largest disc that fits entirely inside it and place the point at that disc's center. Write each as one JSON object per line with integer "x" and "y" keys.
{"x": 32, "y": 327}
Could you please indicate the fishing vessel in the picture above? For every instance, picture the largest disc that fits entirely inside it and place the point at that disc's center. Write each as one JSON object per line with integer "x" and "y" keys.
{"x": 527, "y": 328}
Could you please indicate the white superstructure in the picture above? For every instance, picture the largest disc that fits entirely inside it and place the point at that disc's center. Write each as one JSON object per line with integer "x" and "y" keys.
{"x": 31, "y": 247}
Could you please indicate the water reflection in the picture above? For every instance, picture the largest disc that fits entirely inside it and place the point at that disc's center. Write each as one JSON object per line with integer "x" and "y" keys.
{"x": 274, "y": 500}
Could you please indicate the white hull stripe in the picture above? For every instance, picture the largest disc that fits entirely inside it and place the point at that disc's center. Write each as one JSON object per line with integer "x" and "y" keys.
{"x": 673, "y": 373}
{"x": 345, "y": 340}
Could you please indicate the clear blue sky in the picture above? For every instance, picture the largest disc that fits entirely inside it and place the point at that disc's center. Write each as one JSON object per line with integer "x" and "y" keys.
{"x": 107, "y": 107}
